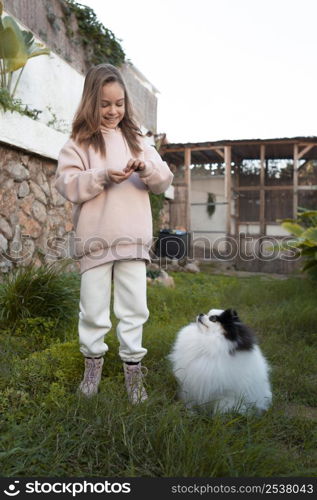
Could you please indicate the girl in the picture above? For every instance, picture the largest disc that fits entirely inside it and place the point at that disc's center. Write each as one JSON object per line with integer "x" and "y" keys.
{"x": 106, "y": 170}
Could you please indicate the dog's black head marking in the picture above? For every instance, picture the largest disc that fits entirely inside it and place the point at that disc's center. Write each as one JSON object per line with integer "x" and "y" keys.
{"x": 236, "y": 331}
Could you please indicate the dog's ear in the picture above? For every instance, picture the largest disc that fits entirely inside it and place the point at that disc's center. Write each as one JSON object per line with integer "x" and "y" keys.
{"x": 236, "y": 331}
{"x": 229, "y": 315}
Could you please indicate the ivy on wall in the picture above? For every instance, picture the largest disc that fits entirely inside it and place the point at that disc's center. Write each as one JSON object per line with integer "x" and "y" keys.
{"x": 100, "y": 44}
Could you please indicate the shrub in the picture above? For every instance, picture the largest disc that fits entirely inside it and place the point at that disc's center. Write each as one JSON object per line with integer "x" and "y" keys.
{"x": 60, "y": 363}
{"x": 304, "y": 228}
{"x": 45, "y": 291}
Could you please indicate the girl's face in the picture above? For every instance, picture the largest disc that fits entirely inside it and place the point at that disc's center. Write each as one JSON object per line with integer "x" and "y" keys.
{"x": 112, "y": 104}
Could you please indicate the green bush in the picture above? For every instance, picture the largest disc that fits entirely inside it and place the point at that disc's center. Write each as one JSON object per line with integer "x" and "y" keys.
{"x": 58, "y": 363}
{"x": 45, "y": 291}
{"x": 304, "y": 229}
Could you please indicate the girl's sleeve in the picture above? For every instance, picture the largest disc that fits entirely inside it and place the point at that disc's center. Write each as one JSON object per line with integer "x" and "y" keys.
{"x": 156, "y": 175}
{"x": 74, "y": 180}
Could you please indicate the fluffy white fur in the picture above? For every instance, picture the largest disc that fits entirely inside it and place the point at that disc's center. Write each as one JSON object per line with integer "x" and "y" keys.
{"x": 219, "y": 366}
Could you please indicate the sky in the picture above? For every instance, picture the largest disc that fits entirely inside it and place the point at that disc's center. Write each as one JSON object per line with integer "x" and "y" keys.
{"x": 225, "y": 69}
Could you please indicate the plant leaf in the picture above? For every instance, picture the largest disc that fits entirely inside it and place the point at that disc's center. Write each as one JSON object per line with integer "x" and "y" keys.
{"x": 293, "y": 228}
{"x": 33, "y": 48}
{"x": 309, "y": 265}
{"x": 310, "y": 251}
{"x": 308, "y": 213}
{"x": 14, "y": 48}
{"x": 311, "y": 235}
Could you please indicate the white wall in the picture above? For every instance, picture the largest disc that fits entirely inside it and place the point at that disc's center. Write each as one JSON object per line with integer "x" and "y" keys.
{"x": 30, "y": 135}
{"x": 200, "y": 220}
{"x": 48, "y": 81}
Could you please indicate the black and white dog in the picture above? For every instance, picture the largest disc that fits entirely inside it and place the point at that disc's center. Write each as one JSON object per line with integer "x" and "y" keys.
{"x": 219, "y": 366}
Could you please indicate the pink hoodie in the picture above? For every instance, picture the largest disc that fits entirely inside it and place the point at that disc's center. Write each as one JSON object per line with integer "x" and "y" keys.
{"x": 111, "y": 221}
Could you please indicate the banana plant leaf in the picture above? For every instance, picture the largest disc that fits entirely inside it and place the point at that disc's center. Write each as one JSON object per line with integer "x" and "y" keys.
{"x": 311, "y": 235}
{"x": 17, "y": 46}
{"x": 307, "y": 213}
{"x": 310, "y": 252}
{"x": 33, "y": 48}
{"x": 13, "y": 49}
{"x": 309, "y": 265}
{"x": 293, "y": 228}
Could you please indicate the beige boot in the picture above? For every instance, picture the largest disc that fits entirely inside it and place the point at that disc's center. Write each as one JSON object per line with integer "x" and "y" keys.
{"x": 93, "y": 369}
{"x": 134, "y": 382}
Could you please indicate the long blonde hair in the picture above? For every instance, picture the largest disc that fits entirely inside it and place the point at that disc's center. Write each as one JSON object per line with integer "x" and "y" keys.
{"x": 87, "y": 120}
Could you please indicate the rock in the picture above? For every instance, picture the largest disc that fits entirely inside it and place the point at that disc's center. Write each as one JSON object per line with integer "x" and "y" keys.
{"x": 45, "y": 187}
{"x": 56, "y": 224}
{"x": 68, "y": 226}
{"x": 191, "y": 267}
{"x": 174, "y": 266}
{"x": 8, "y": 202}
{"x": 165, "y": 280}
{"x": 39, "y": 211}
{"x": 5, "y": 266}
{"x": 24, "y": 190}
{"x": 3, "y": 243}
{"x": 38, "y": 193}
{"x": 56, "y": 198}
{"x": 5, "y": 229}
{"x": 27, "y": 203}
{"x": 28, "y": 249}
{"x": 25, "y": 160}
{"x": 3, "y": 177}
{"x": 50, "y": 169}
{"x": 30, "y": 226}
{"x": 15, "y": 246}
{"x": 35, "y": 166}
{"x": 152, "y": 267}
{"x": 8, "y": 184}
{"x": 17, "y": 171}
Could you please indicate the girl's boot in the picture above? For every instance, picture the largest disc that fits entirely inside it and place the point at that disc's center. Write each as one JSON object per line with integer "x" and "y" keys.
{"x": 134, "y": 382}
{"x": 93, "y": 369}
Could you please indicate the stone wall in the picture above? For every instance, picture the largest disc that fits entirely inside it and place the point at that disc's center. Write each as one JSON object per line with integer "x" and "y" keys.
{"x": 32, "y": 213}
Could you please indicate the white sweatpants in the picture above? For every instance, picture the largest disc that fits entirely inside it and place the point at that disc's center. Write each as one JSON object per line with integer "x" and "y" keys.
{"x": 130, "y": 307}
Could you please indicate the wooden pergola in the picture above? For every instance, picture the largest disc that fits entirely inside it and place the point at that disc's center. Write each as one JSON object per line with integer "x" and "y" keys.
{"x": 232, "y": 152}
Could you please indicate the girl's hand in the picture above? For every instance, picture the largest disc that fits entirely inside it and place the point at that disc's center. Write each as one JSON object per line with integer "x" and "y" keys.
{"x": 134, "y": 165}
{"x": 118, "y": 176}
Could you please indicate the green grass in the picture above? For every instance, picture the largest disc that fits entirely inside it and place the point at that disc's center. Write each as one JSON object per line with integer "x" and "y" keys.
{"x": 47, "y": 430}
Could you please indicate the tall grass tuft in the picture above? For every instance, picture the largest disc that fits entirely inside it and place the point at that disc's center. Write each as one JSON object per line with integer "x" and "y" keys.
{"x": 45, "y": 291}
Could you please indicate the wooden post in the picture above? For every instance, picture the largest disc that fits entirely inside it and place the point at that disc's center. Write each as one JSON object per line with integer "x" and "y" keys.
{"x": 228, "y": 194}
{"x": 262, "y": 191}
{"x": 295, "y": 181}
{"x": 187, "y": 161}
